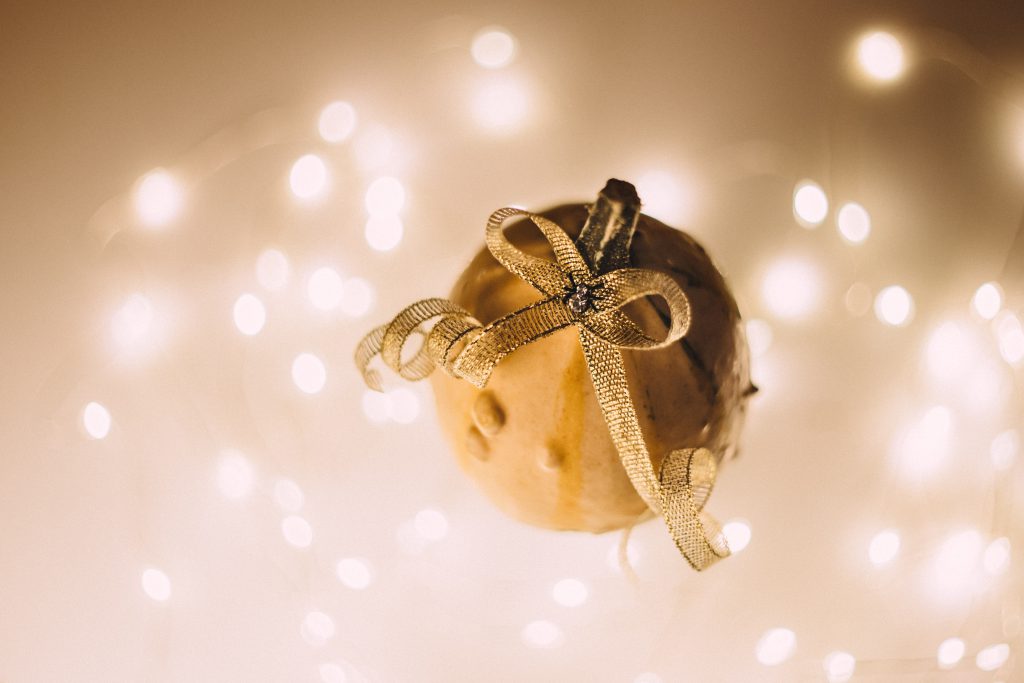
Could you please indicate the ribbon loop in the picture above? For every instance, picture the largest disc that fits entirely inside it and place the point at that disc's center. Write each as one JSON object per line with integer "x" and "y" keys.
{"x": 573, "y": 295}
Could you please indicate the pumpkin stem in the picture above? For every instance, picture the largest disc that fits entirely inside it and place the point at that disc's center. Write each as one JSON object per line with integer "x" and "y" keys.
{"x": 606, "y": 237}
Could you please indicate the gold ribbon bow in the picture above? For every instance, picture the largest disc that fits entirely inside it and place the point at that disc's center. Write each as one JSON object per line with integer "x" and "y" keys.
{"x": 573, "y": 295}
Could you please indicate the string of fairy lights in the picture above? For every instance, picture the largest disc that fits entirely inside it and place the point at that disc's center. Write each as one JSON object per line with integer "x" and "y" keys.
{"x": 791, "y": 289}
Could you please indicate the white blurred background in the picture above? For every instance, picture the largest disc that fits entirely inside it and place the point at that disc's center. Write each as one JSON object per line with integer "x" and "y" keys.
{"x": 205, "y": 206}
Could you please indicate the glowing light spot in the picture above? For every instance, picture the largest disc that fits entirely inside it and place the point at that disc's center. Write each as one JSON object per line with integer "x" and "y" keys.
{"x": 354, "y": 572}
{"x": 250, "y": 315}
{"x": 648, "y": 677}
{"x": 403, "y": 406}
{"x": 858, "y": 299}
{"x": 950, "y": 652}
{"x": 987, "y": 388}
{"x": 775, "y": 646}
{"x": 759, "y": 336}
{"x": 950, "y": 353}
{"x": 542, "y": 634}
{"x": 956, "y": 562}
{"x": 431, "y": 525}
{"x": 158, "y": 198}
{"x": 993, "y": 657}
{"x": 385, "y": 196}
{"x": 297, "y": 531}
{"x": 666, "y": 197}
{"x": 1004, "y": 448}
{"x": 235, "y": 474}
{"x": 791, "y": 289}
{"x": 332, "y": 673}
{"x": 884, "y": 547}
{"x": 384, "y": 233}
{"x": 988, "y": 300}
{"x": 737, "y": 535}
{"x": 317, "y": 628}
{"x": 325, "y": 289}
{"x": 96, "y": 420}
{"x": 308, "y": 177}
{"x": 156, "y": 584}
{"x": 854, "y": 223}
{"x": 570, "y": 592}
{"x": 881, "y": 56}
{"x": 376, "y": 406}
{"x": 272, "y": 270}
{"x": 358, "y": 297}
{"x": 633, "y": 554}
{"x": 501, "y": 107}
{"x": 894, "y": 306}
{"x": 493, "y": 47}
{"x": 1011, "y": 337}
{"x": 996, "y": 559}
{"x": 375, "y": 147}
{"x": 839, "y": 667}
{"x": 810, "y": 205}
{"x": 133, "y": 321}
{"x": 309, "y": 373}
{"x": 337, "y": 121}
{"x": 924, "y": 448}
{"x": 288, "y": 496}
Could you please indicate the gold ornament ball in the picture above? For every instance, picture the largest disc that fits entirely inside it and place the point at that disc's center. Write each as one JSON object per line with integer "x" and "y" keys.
{"x": 535, "y": 440}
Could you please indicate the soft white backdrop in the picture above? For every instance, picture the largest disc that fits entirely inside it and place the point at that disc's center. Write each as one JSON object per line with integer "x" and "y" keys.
{"x": 718, "y": 111}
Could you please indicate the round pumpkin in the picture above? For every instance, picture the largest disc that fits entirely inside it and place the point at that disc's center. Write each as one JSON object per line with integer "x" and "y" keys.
{"x": 535, "y": 440}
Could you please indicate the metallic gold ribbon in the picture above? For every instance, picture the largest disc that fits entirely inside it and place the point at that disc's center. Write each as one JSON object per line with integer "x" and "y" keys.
{"x": 573, "y": 295}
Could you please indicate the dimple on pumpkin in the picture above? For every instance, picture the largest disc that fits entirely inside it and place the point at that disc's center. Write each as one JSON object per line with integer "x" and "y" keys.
{"x": 535, "y": 440}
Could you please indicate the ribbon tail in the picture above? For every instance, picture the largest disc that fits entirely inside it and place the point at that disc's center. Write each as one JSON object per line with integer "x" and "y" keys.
{"x": 679, "y": 492}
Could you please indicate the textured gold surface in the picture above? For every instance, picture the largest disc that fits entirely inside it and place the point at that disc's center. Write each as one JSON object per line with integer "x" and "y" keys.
{"x": 678, "y": 492}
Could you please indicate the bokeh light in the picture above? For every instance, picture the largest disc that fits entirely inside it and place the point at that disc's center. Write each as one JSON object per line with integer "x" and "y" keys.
{"x": 810, "y": 205}
{"x": 996, "y": 559}
{"x": 309, "y": 373}
{"x": 493, "y": 47}
{"x": 337, "y": 121}
{"x": 1004, "y": 448}
{"x": 955, "y": 564}
{"x": 775, "y": 646}
{"x": 156, "y": 584}
{"x": 325, "y": 288}
{"x": 894, "y": 306}
{"x": 354, "y": 572}
{"x": 542, "y": 634}
{"x": 385, "y": 196}
{"x": 1010, "y": 335}
{"x": 992, "y": 657}
{"x": 854, "y": 222}
{"x": 759, "y": 337}
{"x": 384, "y": 233}
{"x": 297, "y": 531}
{"x": 501, "y": 107}
{"x": 950, "y": 652}
{"x": 249, "y": 314}
{"x": 376, "y": 406}
{"x": 332, "y": 672}
{"x": 791, "y": 288}
{"x": 308, "y": 176}
{"x": 96, "y": 420}
{"x": 880, "y": 55}
{"x": 431, "y": 524}
{"x": 737, "y": 534}
{"x": 666, "y": 196}
{"x": 951, "y": 353}
{"x": 839, "y": 666}
{"x": 235, "y": 474}
{"x": 317, "y": 628}
{"x": 272, "y": 270}
{"x": 158, "y": 198}
{"x": 133, "y": 321}
{"x": 375, "y": 147}
{"x": 358, "y": 297}
{"x": 988, "y": 300}
{"x": 288, "y": 495}
{"x": 857, "y": 299}
{"x": 924, "y": 448}
{"x": 403, "y": 405}
{"x": 884, "y": 547}
{"x": 570, "y": 592}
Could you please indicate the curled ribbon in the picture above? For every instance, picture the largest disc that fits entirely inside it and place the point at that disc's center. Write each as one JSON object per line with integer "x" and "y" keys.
{"x": 573, "y": 295}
